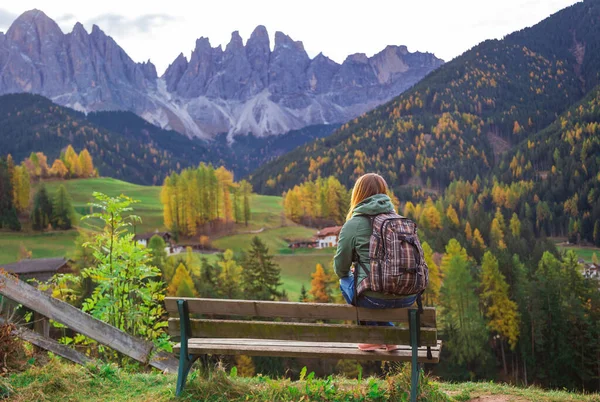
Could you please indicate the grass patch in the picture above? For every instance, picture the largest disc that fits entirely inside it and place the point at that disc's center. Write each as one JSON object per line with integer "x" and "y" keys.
{"x": 296, "y": 270}
{"x": 273, "y": 238}
{"x": 60, "y": 381}
{"x": 42, "y": 245}
{"x": 468, "y": 391}
{"x": 582, "y": 252}
{"x": 149, "y": 207}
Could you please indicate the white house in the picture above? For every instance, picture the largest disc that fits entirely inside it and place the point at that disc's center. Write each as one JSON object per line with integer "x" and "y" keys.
{"x": 328, "y": 237}
{"x": 144, "y": 239}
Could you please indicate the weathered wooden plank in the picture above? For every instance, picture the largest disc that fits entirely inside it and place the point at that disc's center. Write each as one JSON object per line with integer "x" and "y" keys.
{"x": 79, "y": 321}
{"x": 164, "y": 361}
{"x": 50, "y": 344}
{"x": 308, "y": 349}
{"x": 316, "y": 311}
{"x": 302, "y": 332}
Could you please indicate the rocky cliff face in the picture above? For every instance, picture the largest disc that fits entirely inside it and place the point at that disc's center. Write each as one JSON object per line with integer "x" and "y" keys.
{"x": 242, "y": 89}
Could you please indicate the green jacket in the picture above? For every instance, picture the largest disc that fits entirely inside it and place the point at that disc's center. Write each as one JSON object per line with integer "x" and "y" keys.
{"x": 355, "y": 237}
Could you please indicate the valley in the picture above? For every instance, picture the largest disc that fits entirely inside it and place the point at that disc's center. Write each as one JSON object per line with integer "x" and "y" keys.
{"x": 296, "y": 265}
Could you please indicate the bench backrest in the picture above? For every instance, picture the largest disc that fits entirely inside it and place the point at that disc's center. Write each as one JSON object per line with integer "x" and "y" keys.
{"x": 236, "y": 323}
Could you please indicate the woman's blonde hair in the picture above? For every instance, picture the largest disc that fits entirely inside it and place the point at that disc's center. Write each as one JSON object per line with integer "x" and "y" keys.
{"x": 366, "y": 186}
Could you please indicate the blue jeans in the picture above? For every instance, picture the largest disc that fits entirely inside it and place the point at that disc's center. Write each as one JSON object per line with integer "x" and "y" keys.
{"x": 347, "y": 288}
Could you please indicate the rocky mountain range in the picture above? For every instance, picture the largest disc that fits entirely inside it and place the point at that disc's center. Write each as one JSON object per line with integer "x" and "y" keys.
{"x": 239, "y": 90}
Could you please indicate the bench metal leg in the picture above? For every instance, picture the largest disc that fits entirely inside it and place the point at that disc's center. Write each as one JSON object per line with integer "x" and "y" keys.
{"x": 186, "y": 360}
{"x": 414, "y": 342}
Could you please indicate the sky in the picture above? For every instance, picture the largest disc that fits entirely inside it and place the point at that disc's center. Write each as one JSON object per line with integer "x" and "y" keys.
{"x": 160, "y": 30}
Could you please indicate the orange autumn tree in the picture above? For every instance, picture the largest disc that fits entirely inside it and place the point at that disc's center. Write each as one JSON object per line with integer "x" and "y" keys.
{"x": 318, "y": 285}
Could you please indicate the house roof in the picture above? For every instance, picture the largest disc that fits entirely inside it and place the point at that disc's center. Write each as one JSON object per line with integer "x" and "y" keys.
{"x": 330, "y": 231}
{"x": 35, "y": 266}
{"x": 149, "y": 235}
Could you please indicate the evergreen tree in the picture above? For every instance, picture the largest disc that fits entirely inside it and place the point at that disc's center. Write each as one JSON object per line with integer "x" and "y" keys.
{"x": 303, "y": 295}
{"x": 62, "y": 210}
{"x": 8, "y": 213}
{"x": 229, "y": 277}
{"x": 261, "y": 276}
{"x": 42, "y": 210}
{"x": 181, "y": 275}
{"x": 158, "y": 250}
{"x": 461, "y": 319}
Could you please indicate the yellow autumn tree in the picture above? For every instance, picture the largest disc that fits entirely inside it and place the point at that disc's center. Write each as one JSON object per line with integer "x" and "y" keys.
{"x": 318, "y": 285}
{"x": 496, "y": 235}
{"x": 86, "y": 164}
{"x": 225, "y": 181}
{"x": 59, "y": 169}
{"x": 501, "y": 312}
{"x": 478, "y": 239}
{"x": 468, "y": 232}
{"x": 515, "y": 225}
{"x": 452, "y": 216}
{"x": 181, "y": 282}
{"x": 432, "y": 293}
{"x": 245, "y": 366}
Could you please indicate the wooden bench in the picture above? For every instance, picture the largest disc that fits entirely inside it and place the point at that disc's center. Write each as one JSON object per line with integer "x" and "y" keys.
{"x": 225, "y": 329}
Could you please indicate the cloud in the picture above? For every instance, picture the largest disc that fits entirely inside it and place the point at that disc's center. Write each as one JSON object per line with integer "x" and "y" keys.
{"x": 118, "y": 23}
{"x": 6, "y": 18}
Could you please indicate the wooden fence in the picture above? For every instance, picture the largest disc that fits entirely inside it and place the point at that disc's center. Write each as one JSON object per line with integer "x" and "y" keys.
{"x": 57, "y": 310}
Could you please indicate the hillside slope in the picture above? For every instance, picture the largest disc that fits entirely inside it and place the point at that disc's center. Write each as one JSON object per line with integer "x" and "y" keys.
{"x": 125, "y": 146}
{"x": 439, "y": 130}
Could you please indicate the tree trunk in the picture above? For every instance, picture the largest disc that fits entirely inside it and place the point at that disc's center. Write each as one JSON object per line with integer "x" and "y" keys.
{"x": 525, "y": 371}
{"x": 503, "y": 356}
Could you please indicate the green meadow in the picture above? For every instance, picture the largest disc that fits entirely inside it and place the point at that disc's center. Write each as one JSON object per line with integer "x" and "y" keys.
{"x": 267, "y": 222}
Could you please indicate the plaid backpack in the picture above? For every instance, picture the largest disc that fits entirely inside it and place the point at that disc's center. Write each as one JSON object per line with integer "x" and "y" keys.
{"x": 397, "y": 263}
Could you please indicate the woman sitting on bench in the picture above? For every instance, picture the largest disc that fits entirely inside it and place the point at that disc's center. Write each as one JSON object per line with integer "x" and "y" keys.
{"x": 352, "y": 261}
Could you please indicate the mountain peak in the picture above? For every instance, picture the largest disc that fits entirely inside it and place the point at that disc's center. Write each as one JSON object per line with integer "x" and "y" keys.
{"x": 236, "y": 41}
{"x": 260, "y": 32}
{"x": 78, "y": 29}
{"x": 20, "y": 30}
{"x": 284, "y": 41}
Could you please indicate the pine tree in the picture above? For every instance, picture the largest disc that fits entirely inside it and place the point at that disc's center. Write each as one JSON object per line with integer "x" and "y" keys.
{"x": 501, "y": 312}
{"x": 515, "y": 225}
{"x": 303, "y": 294}
{"x": 42, "y": 210}
{"x": 8, "y": 213}
{"x": 261, "y": 276}
{"x": 246, "y": 189}
{"x": 62, "y": 210}
{"x": 181, "y": 275}
{"x": 461, "y": 319}
{"x": 318, "y": 286}
{"x": 186, "y": 289}
{"x": 157, "y": 248}
{"x": 230, "y": 276}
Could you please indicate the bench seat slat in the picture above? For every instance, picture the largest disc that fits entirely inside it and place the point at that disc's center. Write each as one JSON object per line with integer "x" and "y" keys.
{"x": 257, "y": 347}
{"x": 316, "y": 311}
{"x": 302, "y": 332}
